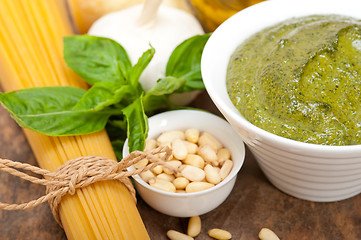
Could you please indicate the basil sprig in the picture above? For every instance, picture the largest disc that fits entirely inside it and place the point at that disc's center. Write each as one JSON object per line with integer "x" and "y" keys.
{"x": 115, "y": 97}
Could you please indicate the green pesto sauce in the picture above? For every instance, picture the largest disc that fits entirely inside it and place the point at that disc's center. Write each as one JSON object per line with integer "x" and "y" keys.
{"x": 301, "y": 79}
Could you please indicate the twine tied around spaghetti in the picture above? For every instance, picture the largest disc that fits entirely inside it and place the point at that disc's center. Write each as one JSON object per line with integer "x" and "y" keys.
{"x": 81, "y": 172}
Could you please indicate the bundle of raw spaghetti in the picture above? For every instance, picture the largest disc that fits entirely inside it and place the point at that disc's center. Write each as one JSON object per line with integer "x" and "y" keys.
{"x": 31, "y": 35}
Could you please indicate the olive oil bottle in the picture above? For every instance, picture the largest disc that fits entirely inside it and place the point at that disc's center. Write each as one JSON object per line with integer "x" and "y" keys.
{"x": 212, "y": 13}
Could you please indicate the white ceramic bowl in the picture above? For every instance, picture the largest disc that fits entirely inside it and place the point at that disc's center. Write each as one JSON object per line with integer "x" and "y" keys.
{"x": 192, "y": 204}
{"x": 307, "y": 171}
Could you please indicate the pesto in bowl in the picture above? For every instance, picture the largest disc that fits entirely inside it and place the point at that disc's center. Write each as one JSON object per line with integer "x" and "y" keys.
{"x": 301, "y": 79}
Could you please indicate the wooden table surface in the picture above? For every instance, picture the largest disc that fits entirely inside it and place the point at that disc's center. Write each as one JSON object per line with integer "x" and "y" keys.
{"x": 253, "y": 204}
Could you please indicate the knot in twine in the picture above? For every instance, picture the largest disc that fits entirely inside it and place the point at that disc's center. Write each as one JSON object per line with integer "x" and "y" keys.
{"x": 81, "y": 172}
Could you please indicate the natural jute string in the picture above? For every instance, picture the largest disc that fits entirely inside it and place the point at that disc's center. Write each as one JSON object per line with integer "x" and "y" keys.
{"x": 79, "y": 173}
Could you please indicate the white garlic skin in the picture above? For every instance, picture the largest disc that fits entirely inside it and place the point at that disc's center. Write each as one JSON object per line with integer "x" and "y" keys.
{"x": 170, "y": 27}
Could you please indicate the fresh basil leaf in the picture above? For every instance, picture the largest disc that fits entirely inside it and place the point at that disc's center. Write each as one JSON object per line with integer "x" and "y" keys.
{"x": 138, "y": 68}
{"x": 48, "y": 110}
{"x": 103, "y": 94}
{"x": 157, "y": 97}
{"x": 96, "y": 59}
{"x": 41, "y": 99}
{"x": 154, "y": 103}
{"x": 185, "y": 62}
{"x": 118, "y": 148}
{"x": 137, "y": 129}
{"x": 192, "y": 84}
{"x": 118, "y": 124}
{"x": 167, "y": 85}
{"x": 117, "y": 131}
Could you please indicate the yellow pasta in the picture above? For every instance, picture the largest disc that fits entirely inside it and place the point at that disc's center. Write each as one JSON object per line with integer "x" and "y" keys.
{"x": 31, "y": 56}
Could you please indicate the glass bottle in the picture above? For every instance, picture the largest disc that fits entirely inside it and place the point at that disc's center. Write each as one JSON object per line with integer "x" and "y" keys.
{"x": 212, "y": 13}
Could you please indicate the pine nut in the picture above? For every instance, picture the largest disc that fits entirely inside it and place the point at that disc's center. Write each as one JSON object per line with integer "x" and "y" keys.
{"x": 223, "y": 154}
{"x": 226, "y": 169}
{"x": 173, "y": 164}
{"x": 194, "y": 226}
{"x": 193, "y": 173}
{"x": 141, "y": 163}
{"x": 199, "y": 161}
{"x": 219, "y": 234}
{"x": 158, "y": 169}
{"x": 175, "y": 235}
{"x": 198, "y": 186}
{"x": 267, "y": 234}
{"x": 162, "y": 185}
{"x": 150, "y": 144}
{"x": 218, "y": 169}
{"x": 194, "y": 160}
{"x": 192, "y": 135}
{"x": 178, "y": 173}
{"x": 180, "y": 182}
{"x": 165, "y": 144}
{"x": 208, "y": 139}
{"x": 147, "y": 175}
{"x": 212, "y": 175}
{"x": 166, "y": 177}
{"x": 181, "y": 167}
{"x": 208, "y": 154}
{"x": 179, "y": 148}
{"x": 169, "y": 136}
{"x": 192, "y": 148}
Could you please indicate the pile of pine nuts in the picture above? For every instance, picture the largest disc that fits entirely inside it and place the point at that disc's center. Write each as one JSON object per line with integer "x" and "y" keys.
{"x": 200, "y": 159}
{"x": 194, "y": 229}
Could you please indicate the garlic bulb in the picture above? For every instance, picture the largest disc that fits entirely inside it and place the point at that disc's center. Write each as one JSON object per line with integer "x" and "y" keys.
{"x": 85, "y": 13}
{"x": 136, "y": 27}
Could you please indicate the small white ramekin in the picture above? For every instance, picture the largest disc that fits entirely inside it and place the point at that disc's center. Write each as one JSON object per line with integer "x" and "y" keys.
{"x": 198, "y": 203}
